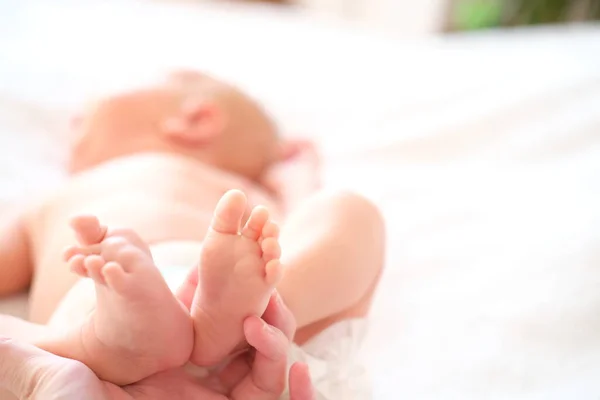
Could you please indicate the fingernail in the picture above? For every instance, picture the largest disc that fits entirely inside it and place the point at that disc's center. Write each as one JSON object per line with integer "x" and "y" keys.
{"x": 267, "y": 328}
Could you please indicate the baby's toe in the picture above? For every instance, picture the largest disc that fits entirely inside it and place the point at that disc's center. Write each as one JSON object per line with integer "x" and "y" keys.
{"x": 270, "y": 230}
{"x": 94, "y": 264}
{"x": 270, "y": 249}
{"x": 273, "y": 272}
{"x": 88, "y": 229}
{"x": 115, "y": 276}
{"x": 129, "y": 236}
{"x": 72, "y": 251}
{"x": 77, "y": 266}
{"x": 256, "y": 223}
{"x": 229, "y": 212}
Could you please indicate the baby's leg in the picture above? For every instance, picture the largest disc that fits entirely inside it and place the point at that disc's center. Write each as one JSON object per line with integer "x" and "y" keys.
{"x": 333, "y": 253}
{"x": 138, "y": 328}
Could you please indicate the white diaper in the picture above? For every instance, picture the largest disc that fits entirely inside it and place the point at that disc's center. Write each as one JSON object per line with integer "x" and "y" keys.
{"x": 174, "y": 260}
{"x": 334, "y": 360}
{"x": 333, "y": 356}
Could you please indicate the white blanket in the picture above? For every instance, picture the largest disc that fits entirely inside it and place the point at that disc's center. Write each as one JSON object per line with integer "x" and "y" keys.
{"x": 483, "y": 152}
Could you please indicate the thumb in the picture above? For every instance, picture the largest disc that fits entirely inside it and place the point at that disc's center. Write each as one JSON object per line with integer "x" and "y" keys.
{"x": 31, "y": 373}
{"x": 301, "y": 387}
{"x": 15, "y": 374}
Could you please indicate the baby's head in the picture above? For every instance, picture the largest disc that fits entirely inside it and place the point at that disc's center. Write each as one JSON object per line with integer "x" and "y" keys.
{"x": 187, "y": 113}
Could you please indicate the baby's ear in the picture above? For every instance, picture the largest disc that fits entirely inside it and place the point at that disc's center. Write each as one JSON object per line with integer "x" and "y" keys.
{"x": 196, "y": 123}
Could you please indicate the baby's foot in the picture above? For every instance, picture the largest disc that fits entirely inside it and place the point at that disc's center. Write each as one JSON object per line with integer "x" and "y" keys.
{"x": 138, "y": 328}
{"x": 237, "y": 273}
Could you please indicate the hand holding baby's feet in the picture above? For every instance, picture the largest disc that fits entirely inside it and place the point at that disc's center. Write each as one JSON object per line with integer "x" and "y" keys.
{"x": 138, "y": 328}
{"x": 237, "y": 273}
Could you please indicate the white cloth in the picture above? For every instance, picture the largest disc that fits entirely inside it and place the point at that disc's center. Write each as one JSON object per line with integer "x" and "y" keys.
{"x": 335, "y": 362}
{"x": 174, "y": 260}
{"x": 333, "y": 356}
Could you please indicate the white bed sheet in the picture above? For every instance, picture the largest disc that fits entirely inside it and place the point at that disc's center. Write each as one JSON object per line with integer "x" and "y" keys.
{"x": 483, "y": 152}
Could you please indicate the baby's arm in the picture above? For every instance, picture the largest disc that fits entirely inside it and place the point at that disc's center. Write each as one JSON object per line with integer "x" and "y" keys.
{"x": 297, "y": 176}
{"x": 16, "y": 266}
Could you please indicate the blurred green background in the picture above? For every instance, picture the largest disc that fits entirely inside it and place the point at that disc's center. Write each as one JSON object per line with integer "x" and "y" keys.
{"x": 483, "y": 14}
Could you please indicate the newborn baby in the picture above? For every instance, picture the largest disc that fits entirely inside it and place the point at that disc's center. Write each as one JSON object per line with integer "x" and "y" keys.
{"x": 148, "y": 167}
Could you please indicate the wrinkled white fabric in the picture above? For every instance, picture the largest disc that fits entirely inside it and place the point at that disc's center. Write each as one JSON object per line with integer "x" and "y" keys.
{"x": 334, "y": 358}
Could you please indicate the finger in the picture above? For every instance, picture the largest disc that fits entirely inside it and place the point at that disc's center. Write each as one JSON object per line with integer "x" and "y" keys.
{"x": 301, "y": 387}
{"x": 170, "y": 384}
{"x": 268, "y": 341}
{"x": 278, "y": 315}
{"x": 267, "y": 379}
{"x": 234, "y": 372}
{"x": 31, "y": 373}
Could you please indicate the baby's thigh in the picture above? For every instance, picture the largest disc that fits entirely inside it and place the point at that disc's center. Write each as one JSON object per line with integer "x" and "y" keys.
{"x": 75, "y": 306}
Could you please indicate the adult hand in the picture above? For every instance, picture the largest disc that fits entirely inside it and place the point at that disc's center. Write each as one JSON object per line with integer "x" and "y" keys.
{"x": 261, "y": 373}
{"x": 31, "y": 373}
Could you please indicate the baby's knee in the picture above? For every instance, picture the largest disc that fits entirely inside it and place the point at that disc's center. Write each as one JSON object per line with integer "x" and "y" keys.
{"x": 359, "y": 214}
{"x": 359, "y": 208}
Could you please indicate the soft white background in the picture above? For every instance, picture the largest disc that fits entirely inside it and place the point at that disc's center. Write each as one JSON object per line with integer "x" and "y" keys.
{"x": 483, "y": 152}
{"x": 406, "y": 18}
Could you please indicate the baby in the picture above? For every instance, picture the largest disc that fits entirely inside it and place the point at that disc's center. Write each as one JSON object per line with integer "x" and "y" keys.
{"x": 148, "y": 167}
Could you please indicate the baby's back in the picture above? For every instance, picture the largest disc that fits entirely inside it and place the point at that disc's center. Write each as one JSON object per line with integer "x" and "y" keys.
{"x": 162, "y": 197}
